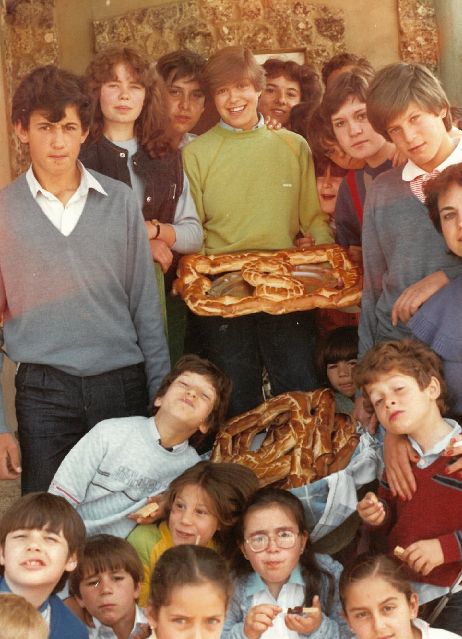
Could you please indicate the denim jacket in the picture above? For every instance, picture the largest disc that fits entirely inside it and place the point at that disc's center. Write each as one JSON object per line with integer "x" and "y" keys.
{"x": 332, "y": 627}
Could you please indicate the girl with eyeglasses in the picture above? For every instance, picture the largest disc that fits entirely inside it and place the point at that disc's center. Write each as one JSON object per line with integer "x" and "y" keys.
{"x": 283, "y": 589}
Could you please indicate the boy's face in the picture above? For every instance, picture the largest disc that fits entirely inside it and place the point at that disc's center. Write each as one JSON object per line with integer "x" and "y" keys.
{"x": 185, "y": 105}
{"x": 340, "y": 376}
{"x": 122, "y": 98}
{"x": 236, "y": 102}
{"x": 335, "y": 153}
{"x": 399, "y": 403}
{"x": 353, "y": 131}
{"x": 35, "y": 558}
{"x": 278, "y": 98}
{"x": 450, "y": 208}
{"x": 110, "y": 596}
{"x": 54, "y": 146}
{"x": 189, "y": 399}
{"x": 421, "y": 136}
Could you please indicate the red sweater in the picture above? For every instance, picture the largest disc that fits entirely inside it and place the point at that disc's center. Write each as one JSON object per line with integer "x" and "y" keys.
{"x": 435, "y": 511}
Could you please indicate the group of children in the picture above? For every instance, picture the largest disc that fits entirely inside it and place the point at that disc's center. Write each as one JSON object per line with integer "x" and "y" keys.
{"x": 82, "y": 314}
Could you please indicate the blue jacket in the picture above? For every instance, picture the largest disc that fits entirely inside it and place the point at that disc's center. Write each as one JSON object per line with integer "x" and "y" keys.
{"x": 332, "y": 627}
{"x": 63, "y": 624}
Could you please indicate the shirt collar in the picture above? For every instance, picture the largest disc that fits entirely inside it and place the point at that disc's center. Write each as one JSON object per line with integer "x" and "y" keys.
{"x": 255, "y": 583}
{"x": 228, "y": 127}
{"x": 106, "y": 632}
{"x": 87, "y": 182}
{"x": 436, "y": 450}
{"x": 184, "y": 444}
{"x": 4, "y": 587}
{"x": 411, "y": 170}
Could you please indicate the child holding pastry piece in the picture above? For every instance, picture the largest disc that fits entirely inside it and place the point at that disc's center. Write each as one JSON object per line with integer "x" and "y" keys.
{"x": 121, "y": 462}
{"x": 282, "y": 588}
{"x": 403, "y": 382}
{"x": 203, "y": 506}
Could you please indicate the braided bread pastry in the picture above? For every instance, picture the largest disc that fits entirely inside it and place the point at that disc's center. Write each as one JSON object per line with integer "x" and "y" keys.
{"x": 273, "y": 283}
{"x": 305, "y": 440}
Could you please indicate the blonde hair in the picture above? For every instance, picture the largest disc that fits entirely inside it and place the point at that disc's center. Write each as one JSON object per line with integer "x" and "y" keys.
{"x": 233, "y": 64}
{"x": 20, "y": 620}
{"x": 396, "y": 86}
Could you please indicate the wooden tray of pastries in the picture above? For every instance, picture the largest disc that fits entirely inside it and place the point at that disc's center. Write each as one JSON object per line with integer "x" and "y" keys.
{"x": 274, "y": 282}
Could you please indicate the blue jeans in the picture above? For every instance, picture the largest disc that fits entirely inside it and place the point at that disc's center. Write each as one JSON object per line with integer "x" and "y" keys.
{"x": 55, "y": 409}
{"x": 241, "y": 346}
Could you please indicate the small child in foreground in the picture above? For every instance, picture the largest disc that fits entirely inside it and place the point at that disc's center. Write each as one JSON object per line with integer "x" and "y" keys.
{"x": 336, "y": 358}
{"x": 20, "y": 620}
{"x": 190, "y": 590}
{"x": 106, "y": 583}
{"x": 41, "y": 537}
{"x": 378, "y": 601}
{"x": 204, "y": 504}
{"x": 282, "y": 588}
{"x": 403, "y": 382}
{"x": 112, "y": 471}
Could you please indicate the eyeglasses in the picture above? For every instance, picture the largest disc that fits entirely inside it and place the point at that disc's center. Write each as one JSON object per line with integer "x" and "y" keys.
{"x": 282, "y": 539}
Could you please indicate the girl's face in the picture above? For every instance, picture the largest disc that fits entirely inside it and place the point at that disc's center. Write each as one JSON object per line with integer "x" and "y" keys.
{"x": 328, "y": 186}
{"x": 122, "y": 98}
{"x": 450, "y": 208}
{"x": 340, "y": 376}
{"x": 278, "y": 97}
{"x": 274, "y": 564}
{"x": 374, "y": 609}
{"x": 192, "y": 518}
{"x": 195, "y": 611}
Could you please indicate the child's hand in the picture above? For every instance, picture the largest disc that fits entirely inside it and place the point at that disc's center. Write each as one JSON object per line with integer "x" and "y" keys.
{"x": 366, "y": 419}
{"x": 304, "y": 241}
{"x": 422, "y": 556}
{"x": 259, "y": 619}
{"x": 161, "y": 253}
{"x": 161, "y": 501}
{"x": 305, "y": 624}
{"x": 371, "y": 510}
{"x": 454, "y": 450}
{"x": 272, "y": 123}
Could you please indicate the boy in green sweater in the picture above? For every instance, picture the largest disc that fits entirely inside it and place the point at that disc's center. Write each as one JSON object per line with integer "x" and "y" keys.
{"x": 254, "y": 188}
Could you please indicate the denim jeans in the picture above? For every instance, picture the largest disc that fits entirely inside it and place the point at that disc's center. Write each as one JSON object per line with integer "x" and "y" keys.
{"x": 241, "y": 346}
{"x": 55, "y": 409}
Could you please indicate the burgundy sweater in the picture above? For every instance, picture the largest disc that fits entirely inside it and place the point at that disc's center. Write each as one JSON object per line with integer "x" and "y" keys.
{"x": 435, "y": 511}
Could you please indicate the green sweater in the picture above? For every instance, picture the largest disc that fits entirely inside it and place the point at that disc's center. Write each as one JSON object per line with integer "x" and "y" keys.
{"x": 254, "y": 189}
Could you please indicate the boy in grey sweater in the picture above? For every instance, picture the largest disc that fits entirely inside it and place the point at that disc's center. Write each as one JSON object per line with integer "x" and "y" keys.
{"x": 78, "y": 295}
{"x": 112, "y": 471}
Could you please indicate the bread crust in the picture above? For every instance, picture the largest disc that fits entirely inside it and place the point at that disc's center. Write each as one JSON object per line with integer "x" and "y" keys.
{"x": 276, "y": 288}
{"x": 305, "y": 440}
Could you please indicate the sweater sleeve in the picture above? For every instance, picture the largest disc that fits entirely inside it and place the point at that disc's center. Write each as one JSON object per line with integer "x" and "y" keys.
{"x": 144, "y": 538}
{"x": 144, "y": 303}
{"x": 374, "y": 268}
{"x": 188, "y": 229}
{"x": 79, "y": 468}
{"x": 347, "y": 227}
{"x": 192, "y": 170}
{"x": 3, "y": 427}
{"x": 451, "y": 546}
{"x": 312, "y": 219}
{"x": 234, "y": 622}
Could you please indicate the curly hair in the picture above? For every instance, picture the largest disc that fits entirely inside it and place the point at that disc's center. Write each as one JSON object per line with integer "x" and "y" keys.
{"x": 151, "y": 123}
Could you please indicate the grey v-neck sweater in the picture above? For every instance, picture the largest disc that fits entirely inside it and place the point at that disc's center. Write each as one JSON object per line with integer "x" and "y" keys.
{"x": 87, "y": 303}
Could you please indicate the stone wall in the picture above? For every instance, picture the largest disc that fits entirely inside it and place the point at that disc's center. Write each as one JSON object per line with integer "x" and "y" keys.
{"x": 30, "y": 40}
{"x": 418, "y": 34}
{"x": 207, "y": 25}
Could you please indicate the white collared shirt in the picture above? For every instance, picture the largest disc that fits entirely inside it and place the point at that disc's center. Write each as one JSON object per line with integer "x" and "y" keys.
{"x": 292, "y": 594}
{"x": 64, "y": 216}
{"x": 411, "y": 170}
{"x": 100, "y": 631}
